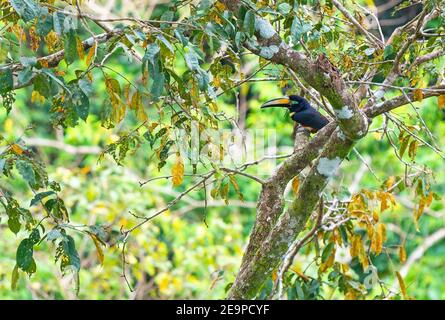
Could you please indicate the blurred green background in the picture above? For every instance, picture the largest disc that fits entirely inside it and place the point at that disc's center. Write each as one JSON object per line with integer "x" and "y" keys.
{"x": 179, "y": 254}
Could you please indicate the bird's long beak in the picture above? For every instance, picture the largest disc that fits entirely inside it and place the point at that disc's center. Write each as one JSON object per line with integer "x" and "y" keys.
{"x": 283, "y": 102}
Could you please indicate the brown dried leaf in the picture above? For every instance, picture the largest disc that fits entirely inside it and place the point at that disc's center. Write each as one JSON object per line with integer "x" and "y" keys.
{"x": 418, "y": 95}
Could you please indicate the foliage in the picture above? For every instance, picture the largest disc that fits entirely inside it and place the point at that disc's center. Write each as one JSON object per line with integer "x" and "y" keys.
{"x": 144, "y": 91}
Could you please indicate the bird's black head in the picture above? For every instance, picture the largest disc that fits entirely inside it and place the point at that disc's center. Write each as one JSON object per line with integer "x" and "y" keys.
{"x": 293, "y": 102}
{"x": 298, "y": 103}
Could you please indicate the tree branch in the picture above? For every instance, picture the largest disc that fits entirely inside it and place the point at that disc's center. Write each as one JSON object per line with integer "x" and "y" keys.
{"x": 321, "y": 74}
{"x": 54, "y": 59}
{"x": 373, "y": 111}
{"x": 375, "y": 41}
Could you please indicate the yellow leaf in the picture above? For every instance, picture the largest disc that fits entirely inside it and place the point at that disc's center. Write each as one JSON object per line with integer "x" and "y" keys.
{"x": 370, "y": 194}
{"x": 295, "y": 185}
{"x": 274, "y": 276}
{"x": 329, "y": 263}
{"x": 135, "y": 101}
{"x": 385, "y": 199}
{"x": 37, "y": 98}
{"x": 383, "y": 203}
{"x": 347, "y": 61}
{"x": 282, "y": 83}
{"x": 80, "y": 48}
{"x": 402, "y": 285}
{"x": 300, "y": 273}
{"x": 418, "y": 213}
{"x": 90, "y": 76}
{"x": 97, "y": 243}
{"x": 378, "y": 238}
{"x": 213, "y": 107}
{"x": 350, "y": 295}
{"x": 363, "y": 258}
{"x": 217, "y": 81}
{"x": 382, "y": 231}
{"x": 429, "y": 199}
{"x": 402, "y": 253}
{"x": 441, "y": 102}
{"x": 375, "y": 216}
{"x": 16, "y": 149}
{"x": 44, "y": 63}
{"x": 220, "y": 6}
{"x": 34, "y": 39}
{"x": 355, "y": 246}
{"x": 178, "y": 171}
{"x": 418, "y": 95}
{"x": 91, "y": 54}
{"x": 390, "y": 182}
{"x": 127, "y": 88}
{"x": 370, "y": 230}
{"x": 337, "y": 237}
{"x": 330, "y": 11}
{"x": 234, "y": 183}
{"x": 114, "y": 91}
{"x": 413, "y": 149}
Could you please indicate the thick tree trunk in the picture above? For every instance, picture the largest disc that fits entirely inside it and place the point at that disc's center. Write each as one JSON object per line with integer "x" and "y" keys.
{"x": 270, "y": 252}
{"x": 274, "y": 231}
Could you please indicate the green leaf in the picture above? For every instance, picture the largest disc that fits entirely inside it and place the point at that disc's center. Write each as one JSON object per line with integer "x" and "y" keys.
{"x": 157, "y": 86}
{"x": 284, "y": 8}
{"x": 39, "y": 196}
{"x": 249, "y": 22}
{"x": 24, "y": 255}
{"x": 167, "y": 16}
{"x": 404, "y": 145}
{"x": 299, "y": 291}
{"x": 54, "y": 234}
{"x": 44, "y": 24}
{"x": 388, "y": 53}
{"x": 57, "y": 18}
{"x": 25, "y": 76}
{"x": 6, "y": 80}
{"x": 151, "y": 53}
{"x": 57, "y": 208}
{"x": 239, "y": 39}
{"x": 14, "y": 220}
{"x": 15, "y": 277}
{"x": 82, "y": 103}
{"x": 34, "y": 237}
{"x": 203, "y": 80}
{"x": 327, "y": 252}
{"x": 69, "y": 248}
{"x": 58, "y": 80}
{"x": 42, "y": 85}
{"x": 27, "y": 9}
{"x": 86, "y": 87}
{"x": 298, "y": 29}
{"x": 28, "y": 61}
{"x": 180, "y": 36}
{"x": 70, "y": 45}
{"x": 191, "y": 60}
{"x": 26, "y": 171}
{"x": 166, "y": 42}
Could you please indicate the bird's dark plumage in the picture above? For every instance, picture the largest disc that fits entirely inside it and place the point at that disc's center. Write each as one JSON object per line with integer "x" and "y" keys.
{"x": 301, "y": 111}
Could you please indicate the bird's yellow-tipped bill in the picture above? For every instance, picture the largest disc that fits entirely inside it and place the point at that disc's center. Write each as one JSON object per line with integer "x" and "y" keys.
{"x": 279, "y": 102}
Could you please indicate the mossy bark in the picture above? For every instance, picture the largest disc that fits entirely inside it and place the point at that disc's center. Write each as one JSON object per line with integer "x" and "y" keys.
{"x": 272, "y": 250}
{"x": 275, "y": 230}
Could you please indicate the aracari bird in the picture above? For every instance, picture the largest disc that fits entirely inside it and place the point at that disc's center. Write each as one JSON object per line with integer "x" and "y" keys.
{"x": 301, "y": 111}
